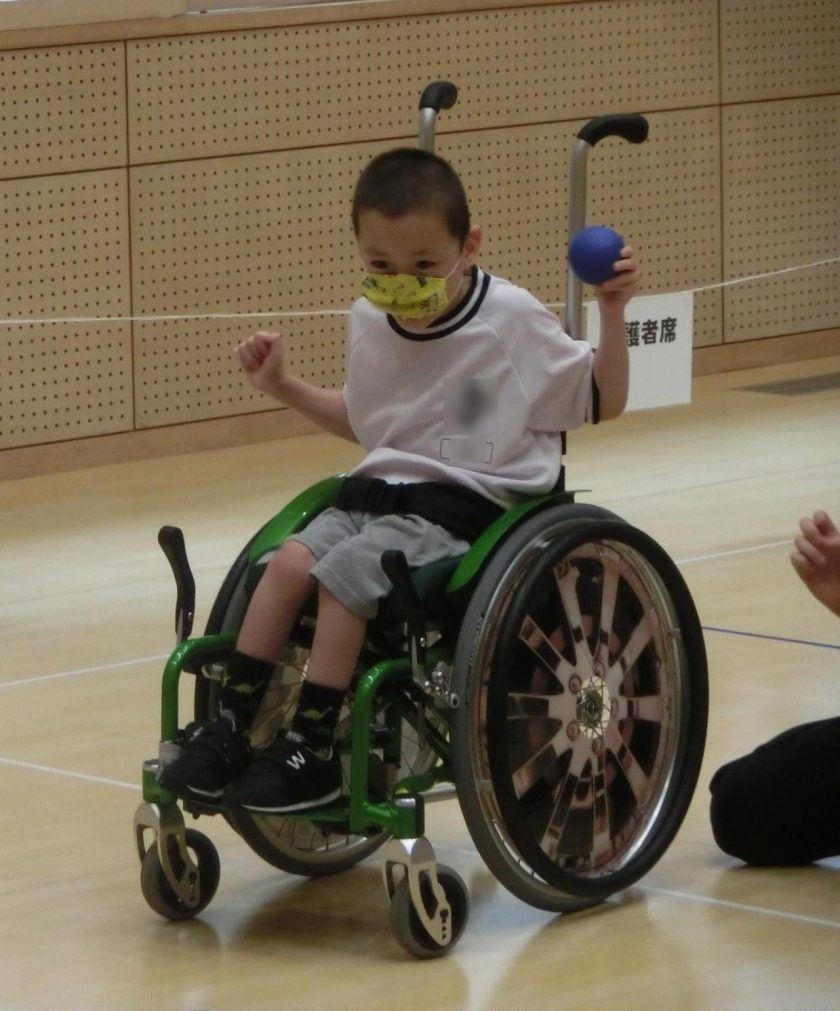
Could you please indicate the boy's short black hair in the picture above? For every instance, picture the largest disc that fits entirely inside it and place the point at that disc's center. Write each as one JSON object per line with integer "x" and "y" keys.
{"x": 409, "y": 179}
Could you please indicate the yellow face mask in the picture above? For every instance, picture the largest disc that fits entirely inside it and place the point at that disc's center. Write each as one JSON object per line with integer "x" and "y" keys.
{"x": 407, "y": 295}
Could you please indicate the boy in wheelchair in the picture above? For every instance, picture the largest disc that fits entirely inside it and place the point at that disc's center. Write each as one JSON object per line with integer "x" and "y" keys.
{"x": 459, "y": 385}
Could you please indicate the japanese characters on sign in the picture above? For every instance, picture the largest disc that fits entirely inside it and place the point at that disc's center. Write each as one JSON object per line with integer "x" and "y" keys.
{"x": 642, "y": 333}
{"x": 658, "y": 329}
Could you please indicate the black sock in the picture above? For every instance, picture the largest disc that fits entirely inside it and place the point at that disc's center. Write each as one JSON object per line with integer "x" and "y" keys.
{"x": 317, "y": 714}
{"x": 245, "y": 681}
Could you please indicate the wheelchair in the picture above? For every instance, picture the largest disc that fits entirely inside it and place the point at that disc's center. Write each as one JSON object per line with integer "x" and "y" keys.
{"x": 555, "y": 676}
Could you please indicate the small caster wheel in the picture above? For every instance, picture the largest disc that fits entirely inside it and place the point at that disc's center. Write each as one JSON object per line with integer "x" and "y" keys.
{"x": 406, "y": 925}
{"x": 158, "y": 892}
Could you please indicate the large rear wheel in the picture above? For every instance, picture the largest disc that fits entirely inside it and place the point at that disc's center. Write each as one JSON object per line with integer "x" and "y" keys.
{"x": 582, "y": 671}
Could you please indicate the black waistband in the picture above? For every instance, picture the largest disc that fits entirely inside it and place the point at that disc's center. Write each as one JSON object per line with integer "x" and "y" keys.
{"x": 461, "y": 511}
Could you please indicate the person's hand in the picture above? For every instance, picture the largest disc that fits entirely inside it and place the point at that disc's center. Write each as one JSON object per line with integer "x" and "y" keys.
{"x": 816, "y": 559}
{"x": 617, "y": 291}
{"x": 261, "y": 359}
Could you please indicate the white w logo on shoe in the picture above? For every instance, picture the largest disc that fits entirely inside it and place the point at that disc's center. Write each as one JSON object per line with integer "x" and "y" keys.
{"x": 297, "y": 761}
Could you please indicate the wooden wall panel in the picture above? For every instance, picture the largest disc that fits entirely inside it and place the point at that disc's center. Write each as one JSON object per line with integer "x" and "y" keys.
{"x": 779, "y": 49}
{"x": 64, "y": 253}
{"x": 237, "y": 92}
{"x": 239, "y": 235}
{"x": 63, "y": 109}
{"x": 781, "y": 200}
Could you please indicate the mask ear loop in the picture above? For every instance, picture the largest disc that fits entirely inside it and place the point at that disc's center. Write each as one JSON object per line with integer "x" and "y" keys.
{"x": 456, "y": 294}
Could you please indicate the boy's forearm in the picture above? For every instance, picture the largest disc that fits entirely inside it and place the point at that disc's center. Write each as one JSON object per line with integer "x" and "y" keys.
{"x": 611, "y": 366}
{"x": 325, "y": 407}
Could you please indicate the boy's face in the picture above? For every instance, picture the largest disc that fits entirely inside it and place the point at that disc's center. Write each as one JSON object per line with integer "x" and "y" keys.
{"x": 417, "y": 243}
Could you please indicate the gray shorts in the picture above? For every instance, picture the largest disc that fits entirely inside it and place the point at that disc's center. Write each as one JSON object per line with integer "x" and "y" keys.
{"x": 349, "y": 546}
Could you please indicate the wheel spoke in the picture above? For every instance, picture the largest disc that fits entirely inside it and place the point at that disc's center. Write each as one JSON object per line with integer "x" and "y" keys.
{"x": 567, "y": 579}
{"x": 529, "y": 771}
{"x": 650, "y": 708}
{"x": 640, "y": 638}
{"x": 609, "y": 593}
{"x": 533, "y": 706}
{"x": 637, "y": 779}
{"x": 564, "y": 794}
{"x": 602, "y": 844}
{"x": 545, "y": 651}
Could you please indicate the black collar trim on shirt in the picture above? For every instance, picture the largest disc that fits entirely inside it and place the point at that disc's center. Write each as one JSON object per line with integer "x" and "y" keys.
{"x": 456, "y": 318}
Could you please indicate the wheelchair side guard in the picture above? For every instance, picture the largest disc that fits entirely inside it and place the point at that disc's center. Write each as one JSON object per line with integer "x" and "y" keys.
{"x": 474, "y": 560}
{"x": 294, "y": 516}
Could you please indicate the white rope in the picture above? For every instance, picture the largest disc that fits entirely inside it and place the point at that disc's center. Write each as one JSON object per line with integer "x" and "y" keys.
{"x": 737, "y": 280}
{"x": 302, "y": 313}
{"x": 167, "y": 319}
{"x": 760, "y": 277}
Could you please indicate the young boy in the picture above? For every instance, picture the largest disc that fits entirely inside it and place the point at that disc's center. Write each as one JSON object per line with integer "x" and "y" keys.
{"x": 459, "y": 385}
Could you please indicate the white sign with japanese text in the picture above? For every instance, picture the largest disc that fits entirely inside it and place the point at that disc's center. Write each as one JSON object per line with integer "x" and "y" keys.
{"x": 659, "y": 340}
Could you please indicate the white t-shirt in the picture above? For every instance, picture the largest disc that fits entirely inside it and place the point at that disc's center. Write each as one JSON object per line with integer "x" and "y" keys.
{"x": 480, "y": 398}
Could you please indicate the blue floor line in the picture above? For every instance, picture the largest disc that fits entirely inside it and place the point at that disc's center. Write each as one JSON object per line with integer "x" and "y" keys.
{"x": 775, "y": 638}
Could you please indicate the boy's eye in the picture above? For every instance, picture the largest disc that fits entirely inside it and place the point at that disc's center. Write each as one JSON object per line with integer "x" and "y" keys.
{"x": 378, "y": 265}
{"x": 425, "y": 264}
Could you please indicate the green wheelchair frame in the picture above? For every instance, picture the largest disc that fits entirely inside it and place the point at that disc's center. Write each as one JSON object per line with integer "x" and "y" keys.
{"x": 555, "y": 674}
{"x": 464, "y": 703}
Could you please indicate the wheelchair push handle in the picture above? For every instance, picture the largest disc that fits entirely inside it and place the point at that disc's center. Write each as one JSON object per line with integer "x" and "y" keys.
{"x": 439, "y": 95}
{"x": 171, "y": 540}
{"x": 436, "y": 96}
{"x": 632, "y": 128}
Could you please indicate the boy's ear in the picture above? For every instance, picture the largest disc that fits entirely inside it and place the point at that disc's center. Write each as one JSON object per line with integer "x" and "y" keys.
{"x": 471, "y": 246}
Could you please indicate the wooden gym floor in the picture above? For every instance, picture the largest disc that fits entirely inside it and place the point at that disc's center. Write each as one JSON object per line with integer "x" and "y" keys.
{"x": 86, "y": 618}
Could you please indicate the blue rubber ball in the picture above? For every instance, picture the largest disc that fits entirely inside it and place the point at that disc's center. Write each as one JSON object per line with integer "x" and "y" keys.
{"x": 593, "y": 251}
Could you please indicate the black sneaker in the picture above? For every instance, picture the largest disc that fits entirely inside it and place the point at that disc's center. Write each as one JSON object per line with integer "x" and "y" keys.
{"x": 212, "y": 753}
{"x": 287, "y": 775}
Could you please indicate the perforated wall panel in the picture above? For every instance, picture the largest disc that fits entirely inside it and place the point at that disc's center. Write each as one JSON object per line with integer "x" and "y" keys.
{"x": 239, "y": 235}
{"x": 62, "y": 109}
{"x": 781, "y": 199}
{"x": 779, "y": 49}
{"x": 64, "y": 253}
{"x": 329, "y": 84}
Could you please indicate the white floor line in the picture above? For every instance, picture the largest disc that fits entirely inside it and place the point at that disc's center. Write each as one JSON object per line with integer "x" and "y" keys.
{"x": 734, "y": 551}
{"x": 763, "y": 910}
{"x": 694, "y": 897}
{"x": 82, "y": 670}
{"x": 33, "y": 767}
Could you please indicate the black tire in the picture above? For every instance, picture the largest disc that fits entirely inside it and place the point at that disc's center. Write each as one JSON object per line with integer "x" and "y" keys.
{"x": 573, "y": 724}
{"x": 158, "y": 892}
{"x": 405, "y": 923}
